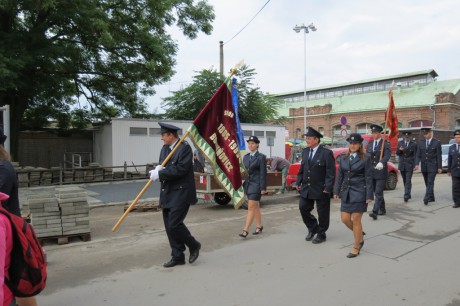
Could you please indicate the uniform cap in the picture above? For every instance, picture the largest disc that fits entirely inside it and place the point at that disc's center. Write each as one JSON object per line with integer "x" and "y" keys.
{"x": 168, "y": 128}
{"x": 407, "y": 134}
{"x": 254, "y": 139}
{"x": 457, "y": 132}
{"x": 425, "y": 130}
{"x": 311, "y": 132}
{"x": 376, "y": 128}
{"x": 354, "y": 138}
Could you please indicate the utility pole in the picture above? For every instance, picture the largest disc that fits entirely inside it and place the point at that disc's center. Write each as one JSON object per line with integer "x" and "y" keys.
{"x": 221, "y": 45}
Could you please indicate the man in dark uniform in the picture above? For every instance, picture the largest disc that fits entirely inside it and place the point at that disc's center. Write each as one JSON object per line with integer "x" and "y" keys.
{"x": 177, "y": 194}
{"x": 453, "y": 168}
{"x": 406, "y": 151}
{"x": 429, "y": 154}
{"x": 379, "y": 168}
{"x": 315, "y": 182}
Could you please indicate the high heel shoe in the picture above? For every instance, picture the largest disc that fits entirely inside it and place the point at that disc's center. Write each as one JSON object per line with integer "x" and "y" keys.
{"x": 361, "y": 244}
{"x": 353, "y": 255}
{"x": 258, "y": 230}
{"x": 244, "y": 234}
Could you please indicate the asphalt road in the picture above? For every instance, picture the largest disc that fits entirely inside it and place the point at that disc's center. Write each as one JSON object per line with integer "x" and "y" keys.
{"x": 410, "y": 257}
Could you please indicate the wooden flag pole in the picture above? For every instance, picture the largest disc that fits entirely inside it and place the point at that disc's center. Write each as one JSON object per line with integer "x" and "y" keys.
{"x": 148, "y": 184}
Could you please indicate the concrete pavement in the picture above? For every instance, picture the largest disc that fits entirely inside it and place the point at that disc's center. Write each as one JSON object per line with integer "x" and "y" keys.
{"x": 410, "y": 257}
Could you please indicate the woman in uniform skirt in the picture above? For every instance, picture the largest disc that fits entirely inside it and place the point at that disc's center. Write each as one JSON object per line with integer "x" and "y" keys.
{"x": 353, "y": 186}
{"x": 254, "y": 185}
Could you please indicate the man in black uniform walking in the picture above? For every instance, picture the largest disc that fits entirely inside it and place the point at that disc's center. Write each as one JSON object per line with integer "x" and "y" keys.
{"x": 178, "y": 192}
{"x": 429, "y": 154}
{"x": 315, "y": 182}
{"x": 453, "y": 168}
{"x": 379, "y": 168}
{"x": 406, "y": 151}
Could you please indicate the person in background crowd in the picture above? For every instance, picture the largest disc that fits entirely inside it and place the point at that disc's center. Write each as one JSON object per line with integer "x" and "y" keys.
{"x": 406, "y": 151}
{"x": 354, "y": 187}
{"x": 429, "y": 154}
{"x": 254, "y": 185}
{"x": 198, "y": 162}
{"x": 281, "y": 165}
{"x": 380, "y": 169}
{"x": 177, "y": 193}
{"x": 453, "y": 168}
{"x": 315, "y": 182}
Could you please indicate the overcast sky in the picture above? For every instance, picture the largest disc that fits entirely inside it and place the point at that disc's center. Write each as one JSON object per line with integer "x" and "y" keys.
{"x": 355, "y": 40}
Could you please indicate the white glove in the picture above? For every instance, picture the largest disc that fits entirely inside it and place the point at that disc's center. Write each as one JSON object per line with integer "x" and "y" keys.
{"x": 379, "y": 166}
{"x": 154, "y": 175}
{"x": 159, "y": 167}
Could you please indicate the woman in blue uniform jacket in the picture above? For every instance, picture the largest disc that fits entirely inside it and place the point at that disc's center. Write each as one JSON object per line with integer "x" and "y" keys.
{"x": 353, "y": 186}
{"x": 254, "y": 185}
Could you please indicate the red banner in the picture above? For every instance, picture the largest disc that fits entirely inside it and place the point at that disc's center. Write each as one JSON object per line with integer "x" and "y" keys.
{"x": 214, "y": 133}
{"x": 390, "y": 116}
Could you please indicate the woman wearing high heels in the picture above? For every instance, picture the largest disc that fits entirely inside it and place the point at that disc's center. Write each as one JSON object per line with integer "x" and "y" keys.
{"x": 353, "y": 185}
{"x": 254, "y": 185}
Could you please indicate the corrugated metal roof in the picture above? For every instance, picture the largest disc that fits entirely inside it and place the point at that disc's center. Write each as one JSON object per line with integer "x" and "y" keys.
{"x": 432, "y": 72}
{"x": 404, "y": 97}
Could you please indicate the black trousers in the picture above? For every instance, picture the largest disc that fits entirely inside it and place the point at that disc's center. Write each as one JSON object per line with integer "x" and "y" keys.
{"x": 429, "y": 178}
{"x": 323, "y": 207}
{"x": 178, "y": 234}
{"x": 456, "y": 189}
{"x": 407, "y": 180}
{"x": 379, "y": 204}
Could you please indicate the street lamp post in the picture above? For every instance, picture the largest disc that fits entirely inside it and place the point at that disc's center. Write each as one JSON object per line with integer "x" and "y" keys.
{"x": 306, "y": 29}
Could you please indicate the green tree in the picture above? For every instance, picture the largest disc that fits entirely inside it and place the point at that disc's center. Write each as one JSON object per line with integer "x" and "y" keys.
{"x": 105, "y": 52}
{"x": 254, "y": 106}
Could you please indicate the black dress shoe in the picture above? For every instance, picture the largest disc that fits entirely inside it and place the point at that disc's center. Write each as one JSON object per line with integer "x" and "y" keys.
{"x": 382, "y": 212}
{"x": 351, "y": 255}
{"x": 432, "y": 200}
{"x": 373, "y": 215}
{"x": 456, "y": 206}
{"x": 319, "y": 239}
{"x": 425, "y": 202}
{"x": 194, "y": 254}
{"x": 310, "y": 236}
{"x": 406, "y": 199}
{"x": 173, "y": 262}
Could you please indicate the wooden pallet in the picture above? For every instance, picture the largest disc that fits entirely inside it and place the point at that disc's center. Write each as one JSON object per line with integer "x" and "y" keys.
{"x": 64, "y": 239}
{"x": 141, "y": 207}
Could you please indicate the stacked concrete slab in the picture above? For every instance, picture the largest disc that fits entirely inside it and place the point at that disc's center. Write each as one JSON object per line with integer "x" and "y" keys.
{"x": 74, "y": 210}
{"x": 45, "y": 214}
{"x": 60, "y": 211}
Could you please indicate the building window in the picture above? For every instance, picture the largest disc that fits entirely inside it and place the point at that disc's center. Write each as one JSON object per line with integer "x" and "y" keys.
{"x": 457, "y": 124}
{"x": 363, "y": 128}
{"x": 247, "y": 133}
{"x": 154, "y": 131}
{"x": 421, "y": 123}
{"x": 270, "y": 133}
{"x": 259, "y": 133}
{"x": 137, "y": 131}
{"x": 321, "y": 130}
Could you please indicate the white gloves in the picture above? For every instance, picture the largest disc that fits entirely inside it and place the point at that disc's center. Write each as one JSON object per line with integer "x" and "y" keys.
{"x": 159, "y": 167}
{"x": 379, "y": 166}
{"x": 154, "y": 174}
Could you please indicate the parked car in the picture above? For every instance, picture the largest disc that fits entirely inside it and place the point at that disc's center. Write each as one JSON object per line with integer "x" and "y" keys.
{"x": 445, "y": 154}
{"x": 291, "y": 178}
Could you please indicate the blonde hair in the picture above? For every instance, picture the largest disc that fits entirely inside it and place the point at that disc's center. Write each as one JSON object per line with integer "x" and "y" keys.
{"x": 4, "y": 154}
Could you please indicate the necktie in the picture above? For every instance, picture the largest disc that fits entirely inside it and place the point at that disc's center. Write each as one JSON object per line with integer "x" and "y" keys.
{"x": 427, "y": 143}
{"x": 311, "y": 155}
{"x": 407, "y": 144}
{"x": 375, "y": 145}
{"x": 352, "y": 156}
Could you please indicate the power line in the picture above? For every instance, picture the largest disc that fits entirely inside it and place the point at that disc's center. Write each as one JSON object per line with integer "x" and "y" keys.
{"x": 247, "y": 23}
